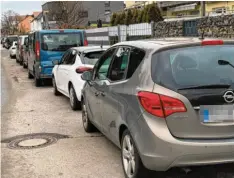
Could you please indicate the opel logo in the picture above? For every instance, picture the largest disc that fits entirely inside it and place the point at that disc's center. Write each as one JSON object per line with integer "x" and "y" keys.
{"x": 229, "y": 96}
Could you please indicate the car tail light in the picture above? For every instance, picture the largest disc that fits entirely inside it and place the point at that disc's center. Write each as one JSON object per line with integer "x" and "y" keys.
{"x": 160, "y": 105}
{"x": 37, "y": 49}
{"x": 86, "y": 43}
{"x": 212, "y": 42}
{"x": 81, "y": 70}
{"x": 85, "y": 39}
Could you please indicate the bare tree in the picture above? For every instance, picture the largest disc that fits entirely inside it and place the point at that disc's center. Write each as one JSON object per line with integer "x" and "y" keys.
{"x": 68, "y": 14}
{"x": 10, "y": 21}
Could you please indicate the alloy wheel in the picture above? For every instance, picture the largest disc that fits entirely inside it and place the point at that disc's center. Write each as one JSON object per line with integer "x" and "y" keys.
{"x": 72, "y": 96}
{"x": 128, "y": 156}
{"x": 84, "y": 116}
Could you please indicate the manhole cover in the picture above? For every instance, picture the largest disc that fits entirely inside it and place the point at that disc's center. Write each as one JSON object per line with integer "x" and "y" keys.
{"x": 33, "y": 141}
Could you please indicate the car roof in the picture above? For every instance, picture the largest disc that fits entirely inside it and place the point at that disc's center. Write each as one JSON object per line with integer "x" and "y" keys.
{"x": 59, "y": 30}
{"x": 165, "y": 42}
{"x": 23, "y": 36}
{"x": 86, "y": 49}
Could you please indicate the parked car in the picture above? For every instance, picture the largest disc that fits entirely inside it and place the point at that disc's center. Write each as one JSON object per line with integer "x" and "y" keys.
{"x": 20, "y": 49}
{"x": 66, "y": 75}
{"x": 47, "y": 45}
{"x": 25, "y": 53}
{"x": 12, "y": 49}
{"x": 166, "y": 103}
{"x": 3, "y": 40}
{"x": 9, "y": 41}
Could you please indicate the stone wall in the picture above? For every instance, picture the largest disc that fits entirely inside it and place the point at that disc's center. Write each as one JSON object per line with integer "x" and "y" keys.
{"x": 218, "y": 26}
{"x": 168, "y": 29}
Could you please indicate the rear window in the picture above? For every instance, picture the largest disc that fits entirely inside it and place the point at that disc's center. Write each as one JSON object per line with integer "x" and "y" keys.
{"x": 92, "y": 57}
{"x": 60, "y": 41}
{"x": 193, "y": 66}
{"x": 11, "y": 39}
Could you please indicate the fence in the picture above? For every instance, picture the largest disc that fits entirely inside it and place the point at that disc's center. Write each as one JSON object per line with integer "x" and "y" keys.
{"x": 218, "y": 26}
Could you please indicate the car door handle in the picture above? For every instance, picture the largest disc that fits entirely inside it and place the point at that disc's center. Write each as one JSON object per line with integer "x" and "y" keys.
{"x": 97, "y": 93}
{"x": 103, "y": 94}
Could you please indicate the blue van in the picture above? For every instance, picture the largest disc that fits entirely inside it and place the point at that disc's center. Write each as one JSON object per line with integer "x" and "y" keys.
{"x": 44, "y": 46}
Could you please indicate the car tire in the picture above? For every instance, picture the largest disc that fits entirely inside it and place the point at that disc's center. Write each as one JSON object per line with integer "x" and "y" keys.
{"x": 88, "y": 126}
{"x": 30, "y": 76}
{"x": 24, "y": 65}
{"x": 21, "y": 62}
{"x": 130, "y": 158}
{"x": 74, "y": 103}
{"x": 11, "y": 56}
{"x": 55, "y": 89}
{"x": 37, "y": 81}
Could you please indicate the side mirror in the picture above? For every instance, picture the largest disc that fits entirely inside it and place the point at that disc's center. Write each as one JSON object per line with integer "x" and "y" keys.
{"x": 55, "y": 62}
{"x": 86, "y": 76}
{"x": 223, "y": 62}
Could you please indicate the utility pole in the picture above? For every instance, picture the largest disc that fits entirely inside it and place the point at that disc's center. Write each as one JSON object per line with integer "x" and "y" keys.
{"x": 203, "y": 8}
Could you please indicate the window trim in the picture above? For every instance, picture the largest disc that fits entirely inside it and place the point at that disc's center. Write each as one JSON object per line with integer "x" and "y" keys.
{"x": 126, "y": 70}
{"x": 96, "y": 66}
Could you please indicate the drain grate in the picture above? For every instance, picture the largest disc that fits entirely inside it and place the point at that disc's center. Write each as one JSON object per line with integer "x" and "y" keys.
{"x": 31, "y": 141}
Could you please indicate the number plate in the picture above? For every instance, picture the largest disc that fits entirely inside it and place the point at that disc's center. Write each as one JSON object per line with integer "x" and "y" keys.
{"x": 217, "y": 113}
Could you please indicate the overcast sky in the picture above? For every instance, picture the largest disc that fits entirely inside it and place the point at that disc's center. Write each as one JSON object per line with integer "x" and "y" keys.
{"x": 21, "y": 7}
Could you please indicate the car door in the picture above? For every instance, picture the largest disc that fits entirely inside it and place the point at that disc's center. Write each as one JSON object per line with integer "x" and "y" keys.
{"x": 111, "y": 88}
{"x": 67, "y": 68}
{"x": 60, "y": 72}
{"x": 92, "y": 93}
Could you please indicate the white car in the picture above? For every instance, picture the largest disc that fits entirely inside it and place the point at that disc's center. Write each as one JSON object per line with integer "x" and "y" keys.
{"x": 66, "y": 74}
{"x": 12, "y": 49}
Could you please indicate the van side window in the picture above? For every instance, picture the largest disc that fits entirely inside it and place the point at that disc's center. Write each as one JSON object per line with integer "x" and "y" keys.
{"x": 136, "y": 56}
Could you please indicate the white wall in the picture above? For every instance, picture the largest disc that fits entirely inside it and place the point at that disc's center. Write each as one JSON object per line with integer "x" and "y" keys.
{"x": 36, "y": 24}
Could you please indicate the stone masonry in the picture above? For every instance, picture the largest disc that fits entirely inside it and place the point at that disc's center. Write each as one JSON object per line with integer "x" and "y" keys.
{"x": 218, "y": 27}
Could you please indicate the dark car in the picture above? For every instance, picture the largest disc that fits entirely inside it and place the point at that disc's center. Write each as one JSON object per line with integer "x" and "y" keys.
{"x": 9, "y": 41}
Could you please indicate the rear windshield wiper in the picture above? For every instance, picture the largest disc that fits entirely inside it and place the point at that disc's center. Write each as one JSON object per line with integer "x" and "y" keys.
{"x": 206, "y": 86}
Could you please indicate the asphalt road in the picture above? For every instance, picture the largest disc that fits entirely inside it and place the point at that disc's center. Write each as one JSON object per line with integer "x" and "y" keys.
{"x": 31, "y": 110}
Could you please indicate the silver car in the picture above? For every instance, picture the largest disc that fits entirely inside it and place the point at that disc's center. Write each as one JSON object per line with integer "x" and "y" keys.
{"x": 166, "y": 103}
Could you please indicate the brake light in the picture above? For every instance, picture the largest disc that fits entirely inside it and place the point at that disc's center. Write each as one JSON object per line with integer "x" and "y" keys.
{"x": 81, "y": 70}
{"x": 85, "y": 39}
{"x": 160, "y": 105}
{"x": 37, "y": 49}
{"x": 85, "y": 42}
{"x": 212, "y": 42}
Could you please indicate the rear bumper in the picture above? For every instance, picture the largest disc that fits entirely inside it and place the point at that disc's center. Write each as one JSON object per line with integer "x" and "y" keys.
{"x": 46, "y": 76}
{"x": 161, "y": 151}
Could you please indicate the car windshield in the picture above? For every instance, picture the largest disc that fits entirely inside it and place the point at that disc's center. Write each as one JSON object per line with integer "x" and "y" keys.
{"x": 92, "y": 57}
{"x": 194, "y": 67}
{"x": 60, "y": 41}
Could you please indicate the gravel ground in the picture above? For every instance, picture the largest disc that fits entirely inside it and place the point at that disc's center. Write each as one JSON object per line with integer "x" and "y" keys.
{"x": 31, "y": 110}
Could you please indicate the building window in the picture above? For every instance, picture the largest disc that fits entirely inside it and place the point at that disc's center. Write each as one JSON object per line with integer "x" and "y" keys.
{"x": 107, "y": 12}
{"x": 84, "y": 14}
{"x": 219, "y": 10}
{"x": 107, "y": 3}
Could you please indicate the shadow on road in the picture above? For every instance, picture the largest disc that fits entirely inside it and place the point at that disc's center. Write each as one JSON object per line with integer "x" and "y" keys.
{"x": 216, "y": 171}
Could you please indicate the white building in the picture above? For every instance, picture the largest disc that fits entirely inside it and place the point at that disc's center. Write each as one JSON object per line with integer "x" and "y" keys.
{"x": 37, "y": 23}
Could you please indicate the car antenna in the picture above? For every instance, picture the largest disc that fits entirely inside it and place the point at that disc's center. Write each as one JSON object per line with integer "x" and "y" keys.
{"x": 203, "y": 31}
